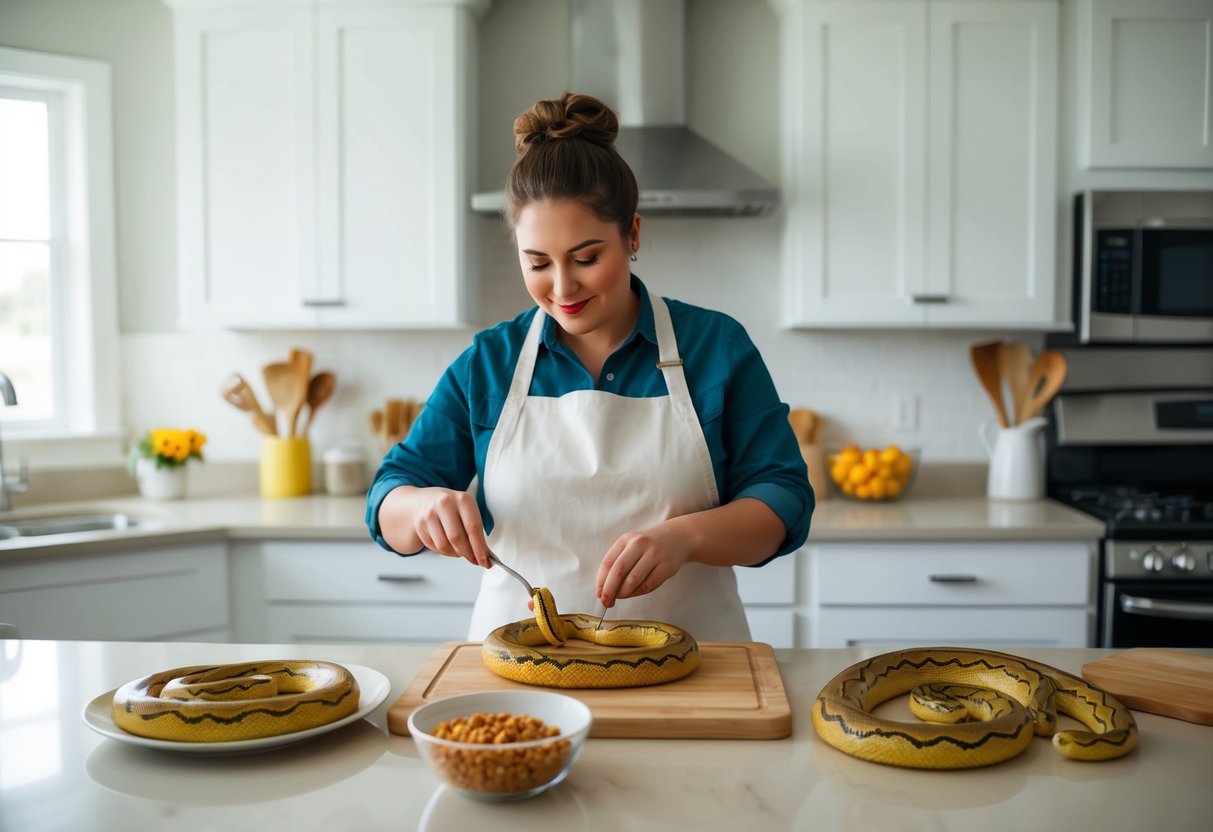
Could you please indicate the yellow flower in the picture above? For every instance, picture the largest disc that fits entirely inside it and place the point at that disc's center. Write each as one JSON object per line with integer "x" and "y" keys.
{"x": 170, "y": 446}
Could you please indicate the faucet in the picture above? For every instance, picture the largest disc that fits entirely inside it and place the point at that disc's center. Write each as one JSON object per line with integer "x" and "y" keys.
{"x": 20, "y": 482}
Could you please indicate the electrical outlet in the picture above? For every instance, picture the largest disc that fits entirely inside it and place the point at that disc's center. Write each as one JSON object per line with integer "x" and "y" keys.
{"x": 905, "y": 413}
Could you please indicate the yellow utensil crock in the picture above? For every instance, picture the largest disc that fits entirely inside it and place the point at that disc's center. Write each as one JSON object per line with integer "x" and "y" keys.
{"x": 286, "y": 467}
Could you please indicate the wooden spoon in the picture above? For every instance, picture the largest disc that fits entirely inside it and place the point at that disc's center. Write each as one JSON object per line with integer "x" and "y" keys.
{"x": 319, "y": 389}
{"x": 1048, "y": 374}
{"x": 301, "y": 361}
{"x": 238, "y": 393}
{"x": 1014, "y": 365}
{"x": 286, "y": 391}
{"x": 985, "y": 363}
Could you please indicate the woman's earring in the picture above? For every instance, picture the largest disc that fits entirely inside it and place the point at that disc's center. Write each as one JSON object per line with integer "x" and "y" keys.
{"x": 634, "y": 257}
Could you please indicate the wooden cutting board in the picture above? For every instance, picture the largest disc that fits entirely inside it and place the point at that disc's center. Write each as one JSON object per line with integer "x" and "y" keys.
{"x": 736, "y": 693}
{"x": 1165, "y": 682}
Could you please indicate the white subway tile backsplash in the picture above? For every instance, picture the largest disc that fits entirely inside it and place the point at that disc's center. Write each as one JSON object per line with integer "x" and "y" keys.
{"x": 852, "y": 378}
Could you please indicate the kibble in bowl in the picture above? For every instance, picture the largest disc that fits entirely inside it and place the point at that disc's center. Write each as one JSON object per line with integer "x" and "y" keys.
{"x": 501, "y": 745}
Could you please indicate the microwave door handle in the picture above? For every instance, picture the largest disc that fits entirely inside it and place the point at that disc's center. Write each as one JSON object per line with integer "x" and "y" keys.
{"x": 1132, "y": 605}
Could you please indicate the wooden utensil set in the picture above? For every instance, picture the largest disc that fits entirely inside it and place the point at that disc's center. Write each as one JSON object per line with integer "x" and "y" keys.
{"x": 1009, "y": 373}
{"x": 391, "y": 424}
{"x": 291, "y": 385}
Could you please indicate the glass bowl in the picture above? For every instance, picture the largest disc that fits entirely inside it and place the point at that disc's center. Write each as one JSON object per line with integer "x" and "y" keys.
{"x": 485, "y": 769}
{"x": 873, "y": 475}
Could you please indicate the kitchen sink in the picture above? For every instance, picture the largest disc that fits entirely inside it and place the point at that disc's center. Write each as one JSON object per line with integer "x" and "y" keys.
{"x": 45, "y": 525}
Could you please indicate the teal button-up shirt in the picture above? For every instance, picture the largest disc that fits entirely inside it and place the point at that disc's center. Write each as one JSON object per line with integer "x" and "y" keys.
{"x": 754, "y": 452}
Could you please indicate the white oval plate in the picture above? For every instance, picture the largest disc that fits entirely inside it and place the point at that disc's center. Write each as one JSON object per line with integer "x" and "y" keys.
{"x": 373, "y": 688}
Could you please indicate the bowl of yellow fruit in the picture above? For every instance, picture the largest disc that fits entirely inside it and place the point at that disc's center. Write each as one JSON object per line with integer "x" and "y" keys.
{"x": 873, "y": 474}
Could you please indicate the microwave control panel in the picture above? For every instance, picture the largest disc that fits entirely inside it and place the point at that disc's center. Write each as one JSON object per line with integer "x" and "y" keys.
{"x": 1113, "y": 284}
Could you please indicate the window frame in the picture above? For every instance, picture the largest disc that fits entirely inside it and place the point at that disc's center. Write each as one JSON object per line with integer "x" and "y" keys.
{"x": 87, "y": 424}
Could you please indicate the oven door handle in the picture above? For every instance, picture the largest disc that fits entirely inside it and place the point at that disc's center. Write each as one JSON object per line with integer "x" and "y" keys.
{"x": 1132, "y": 605}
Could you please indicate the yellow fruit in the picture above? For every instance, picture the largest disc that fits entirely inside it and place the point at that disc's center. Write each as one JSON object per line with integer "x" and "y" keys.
{"x": 838, "y": 472}
{"x": 877, "y": 488}
{"x": 863, "y": 492}
{"x": 890, "y": 455}
{"x": 893, "y": 488}
{"x": 903, "y": 467}
{"x": 850, "y": 455}
{"x": 871, "y": 458}
{"x": 859, "y": 473}
{"x": 848, "y": 488}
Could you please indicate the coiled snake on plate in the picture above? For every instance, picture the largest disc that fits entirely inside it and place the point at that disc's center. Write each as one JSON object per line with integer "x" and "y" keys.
{"x": 534, "y": 651}
{"x": 226, "y": 703}
{"x": 1011, "y": 698}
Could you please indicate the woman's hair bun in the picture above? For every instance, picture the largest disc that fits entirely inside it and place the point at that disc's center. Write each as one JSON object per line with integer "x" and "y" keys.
{"x": 572, "y": 116}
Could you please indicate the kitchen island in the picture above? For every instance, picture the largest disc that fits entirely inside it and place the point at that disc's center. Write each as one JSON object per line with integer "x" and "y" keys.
{"x": 57, "y": 774}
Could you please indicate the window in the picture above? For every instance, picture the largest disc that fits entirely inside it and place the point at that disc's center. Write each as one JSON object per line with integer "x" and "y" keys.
{"x": 58, "y": 310}
{"x": 28, "y": 271}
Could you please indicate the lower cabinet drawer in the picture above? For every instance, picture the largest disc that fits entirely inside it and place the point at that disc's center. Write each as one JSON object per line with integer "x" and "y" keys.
{"x": 952, "y": 574}
{"x": 919, "y": 627}
{"x": 340, "y": 623}
{"x": 150, "y": 594}
{"x": 338, "y": 571}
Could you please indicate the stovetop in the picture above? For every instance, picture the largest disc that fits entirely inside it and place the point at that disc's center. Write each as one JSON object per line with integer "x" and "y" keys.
{"x": 1140, "y": 514}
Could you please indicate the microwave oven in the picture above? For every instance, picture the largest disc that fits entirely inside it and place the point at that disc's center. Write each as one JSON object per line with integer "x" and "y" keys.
{"x": 1143, "y": 263}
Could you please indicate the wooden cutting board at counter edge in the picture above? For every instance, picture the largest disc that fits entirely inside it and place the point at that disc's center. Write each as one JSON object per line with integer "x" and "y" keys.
{"x": 735, "y": 693}
{"x": 1165, "y": 682}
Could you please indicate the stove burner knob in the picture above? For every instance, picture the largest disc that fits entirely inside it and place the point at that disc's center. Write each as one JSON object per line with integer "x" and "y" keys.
{"x": 1183, "y": 560}
{"x": 1153, "y": 560}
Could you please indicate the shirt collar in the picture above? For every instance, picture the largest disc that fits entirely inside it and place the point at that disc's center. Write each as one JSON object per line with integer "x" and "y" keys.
{"x": 645, "y": 327}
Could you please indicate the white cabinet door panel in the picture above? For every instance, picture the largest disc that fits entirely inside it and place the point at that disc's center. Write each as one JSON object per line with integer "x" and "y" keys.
{"x": 995, "y": 628}
{"x": 1146, "y": 71}
{"x": 991, "y": 220}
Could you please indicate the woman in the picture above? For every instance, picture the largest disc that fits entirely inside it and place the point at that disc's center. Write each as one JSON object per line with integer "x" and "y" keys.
{"x": 628, "y": 449}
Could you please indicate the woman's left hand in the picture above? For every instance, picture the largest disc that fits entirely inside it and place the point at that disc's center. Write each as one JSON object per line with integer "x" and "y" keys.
{"x": 639, "y": 562}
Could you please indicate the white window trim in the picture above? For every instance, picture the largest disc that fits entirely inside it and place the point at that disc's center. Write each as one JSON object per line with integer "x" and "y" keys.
{"x": 92, "y": 428}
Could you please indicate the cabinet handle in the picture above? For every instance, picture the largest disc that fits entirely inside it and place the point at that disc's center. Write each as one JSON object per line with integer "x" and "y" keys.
{"x": 953, "y": 579}
{"x": 402, "y": 579}
{"x": 928, "y": 298}
{"x": 324, "y": 302}
{"x": 1132, "y": 605}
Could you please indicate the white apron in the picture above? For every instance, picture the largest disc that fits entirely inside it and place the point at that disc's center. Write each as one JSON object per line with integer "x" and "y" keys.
{"x": 565, "y": 477}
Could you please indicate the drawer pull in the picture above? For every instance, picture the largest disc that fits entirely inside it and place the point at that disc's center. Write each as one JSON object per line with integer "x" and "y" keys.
{"x": 953, "y": 579}
{"x": 402, "y": 579}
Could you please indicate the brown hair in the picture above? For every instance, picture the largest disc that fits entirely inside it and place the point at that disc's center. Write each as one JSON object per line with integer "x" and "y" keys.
{"x": 566, "y": 150}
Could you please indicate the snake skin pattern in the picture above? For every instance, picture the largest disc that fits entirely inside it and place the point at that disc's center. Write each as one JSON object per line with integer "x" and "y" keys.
{"x": 1010, "y": 698}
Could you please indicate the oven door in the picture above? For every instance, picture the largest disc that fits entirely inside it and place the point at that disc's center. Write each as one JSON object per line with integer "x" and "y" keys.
{"x": 1175, "y": 285}
{"x": 1157, "y": 614}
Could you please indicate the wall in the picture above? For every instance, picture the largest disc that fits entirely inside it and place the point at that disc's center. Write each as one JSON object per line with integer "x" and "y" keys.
{"x": 852, "y": 378}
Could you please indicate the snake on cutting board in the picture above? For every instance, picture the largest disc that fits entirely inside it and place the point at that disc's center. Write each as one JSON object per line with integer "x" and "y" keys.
{"x": 534, "y": 651}
{"x": 231, "y": 702}
{"x": 1010, "y": 698}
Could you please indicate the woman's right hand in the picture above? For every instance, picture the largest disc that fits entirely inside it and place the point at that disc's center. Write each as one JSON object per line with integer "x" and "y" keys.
{"x": 442, "y": 520}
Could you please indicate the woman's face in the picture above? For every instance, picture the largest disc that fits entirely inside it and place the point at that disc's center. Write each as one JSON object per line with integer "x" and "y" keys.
{"x": 576, "y": 267}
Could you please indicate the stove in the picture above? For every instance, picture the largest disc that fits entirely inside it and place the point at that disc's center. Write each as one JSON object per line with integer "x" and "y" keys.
{"x": 1130, "y": 442}
{"x": 1136, "y": 514}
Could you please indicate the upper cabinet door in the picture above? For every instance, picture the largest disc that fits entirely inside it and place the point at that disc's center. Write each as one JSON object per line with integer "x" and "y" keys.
{"x": 323, "y": 163}
{"x": 392, "y": 158}
{"x": 1145, "y": 71}
{"x": 244, "y": 163}
{"x": 854, "y": 183}
{"x": 993, "y": 162}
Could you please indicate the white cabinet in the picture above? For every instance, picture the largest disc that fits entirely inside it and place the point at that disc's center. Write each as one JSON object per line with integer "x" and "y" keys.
{"x": 768, "y": 594}
{"x": 339, "y": 591}
{"x": 923, "y": 594}
{"x": 1145, "y": 72}
{"x": 323, "y": 163}
{"x": 156, "y": 594}
{"x": 919, "y": 163}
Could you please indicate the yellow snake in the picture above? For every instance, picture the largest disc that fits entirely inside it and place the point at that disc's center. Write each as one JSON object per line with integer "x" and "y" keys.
{"x": 534, "y": 651}
{"x": 225, "y": 703}
{"x": 1010, "y": 697}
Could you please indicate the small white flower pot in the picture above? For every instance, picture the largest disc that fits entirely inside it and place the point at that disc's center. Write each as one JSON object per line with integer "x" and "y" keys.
{"x": 159, "y": 483}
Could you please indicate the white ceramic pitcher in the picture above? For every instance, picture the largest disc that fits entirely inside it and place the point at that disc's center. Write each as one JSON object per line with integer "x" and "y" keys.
{"x": 1016, "y": 460}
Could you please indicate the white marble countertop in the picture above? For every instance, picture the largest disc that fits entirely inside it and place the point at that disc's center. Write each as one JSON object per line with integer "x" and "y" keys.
{"x": 57, "y": 774}
{"x": 322, "y": 517}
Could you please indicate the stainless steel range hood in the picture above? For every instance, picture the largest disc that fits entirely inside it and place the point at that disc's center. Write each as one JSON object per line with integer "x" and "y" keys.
{"x": 631, "y": 54}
